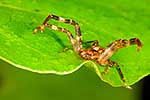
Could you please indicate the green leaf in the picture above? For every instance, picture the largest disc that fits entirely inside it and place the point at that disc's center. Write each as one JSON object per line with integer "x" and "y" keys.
{"x": 104, "y": 21}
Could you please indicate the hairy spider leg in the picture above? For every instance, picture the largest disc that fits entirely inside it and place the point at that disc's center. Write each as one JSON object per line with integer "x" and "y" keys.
{"x": 107, "y": 53}
{"x": 113, "y": 47}
{"x": 109, "y": 65}
{"x": 76, "y": 44}
{"x": 95, "y": 52}
{"x": 72, "y": 40}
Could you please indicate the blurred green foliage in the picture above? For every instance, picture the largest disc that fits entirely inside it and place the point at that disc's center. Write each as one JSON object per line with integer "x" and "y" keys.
{"x": 17, "y": 84}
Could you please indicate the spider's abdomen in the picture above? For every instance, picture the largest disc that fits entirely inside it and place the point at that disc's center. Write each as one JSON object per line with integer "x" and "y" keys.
{"x": 89, "y": 54}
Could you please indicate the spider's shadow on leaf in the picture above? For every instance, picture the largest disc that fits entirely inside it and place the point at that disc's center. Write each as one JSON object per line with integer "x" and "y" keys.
{"x": 56, "y": 37}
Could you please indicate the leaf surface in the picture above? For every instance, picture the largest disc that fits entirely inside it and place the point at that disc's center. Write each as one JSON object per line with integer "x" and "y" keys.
{"x": 104, "y": 21}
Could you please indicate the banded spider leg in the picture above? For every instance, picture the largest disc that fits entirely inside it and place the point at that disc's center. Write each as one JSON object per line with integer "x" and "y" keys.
{"x": 111, "y": 49}
{"x": 76, "y": 44}
{"x": 95, "y": 52}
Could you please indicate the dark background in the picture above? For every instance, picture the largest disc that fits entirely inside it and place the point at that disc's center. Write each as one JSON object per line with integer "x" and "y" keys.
{"x": 146, "y": 88}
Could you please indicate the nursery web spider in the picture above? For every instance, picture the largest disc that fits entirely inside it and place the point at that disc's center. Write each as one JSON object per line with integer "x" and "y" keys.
{"x": 95, "y": 52}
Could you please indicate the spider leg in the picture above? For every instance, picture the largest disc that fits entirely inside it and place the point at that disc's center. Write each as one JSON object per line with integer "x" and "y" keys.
{"x": 65, "y": 49}
{"x": 109, "y": 65}
{"x": 71, "y": 38}
{"x": 113, "y": 47}
{"x": 124, "y": 43}
{"x": 106, "y": 70}
{"x": 68, "y": 21}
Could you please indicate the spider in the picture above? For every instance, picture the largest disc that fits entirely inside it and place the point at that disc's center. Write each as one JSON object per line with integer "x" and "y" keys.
{"x": 94, "y": 52}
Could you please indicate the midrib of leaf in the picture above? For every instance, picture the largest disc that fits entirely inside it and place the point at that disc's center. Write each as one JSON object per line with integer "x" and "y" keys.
{"x": 17, "y": 8}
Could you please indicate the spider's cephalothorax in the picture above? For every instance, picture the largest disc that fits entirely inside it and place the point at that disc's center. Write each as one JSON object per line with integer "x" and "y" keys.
{"x": 95, "y": 52}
